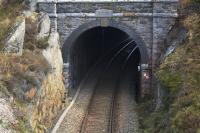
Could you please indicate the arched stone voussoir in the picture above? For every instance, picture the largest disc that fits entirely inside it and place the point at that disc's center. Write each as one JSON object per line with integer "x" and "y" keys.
{"x": 68, "y": 45}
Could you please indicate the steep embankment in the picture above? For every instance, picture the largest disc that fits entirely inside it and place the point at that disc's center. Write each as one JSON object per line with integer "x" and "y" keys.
{"x": 179, "y": 76}
{"x": 31, "y": 85}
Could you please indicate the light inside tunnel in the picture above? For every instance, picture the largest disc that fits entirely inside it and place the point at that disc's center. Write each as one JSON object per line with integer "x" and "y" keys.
{"x": 91, "y": 45}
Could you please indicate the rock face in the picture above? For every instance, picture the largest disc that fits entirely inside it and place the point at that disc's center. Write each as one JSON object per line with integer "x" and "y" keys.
{"x": 52, "y": 88}
{"x": 53, "y": 53}
{"x": 173, "y": 42}
{"x": 14, "y": 42}
{"x": 6, "y": 116}
{"x": 43, "y": 26}
{"x": 31, "y": 4}
{"x": 38, "y": 90}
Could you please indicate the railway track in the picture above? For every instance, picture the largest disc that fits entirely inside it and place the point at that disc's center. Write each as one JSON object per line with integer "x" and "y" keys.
{"x": 99, "y": 117}
{"x": 93, "y": 108}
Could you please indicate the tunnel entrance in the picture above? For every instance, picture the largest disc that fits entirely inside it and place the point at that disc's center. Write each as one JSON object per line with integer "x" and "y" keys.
{"x": 90, "y": 42}
{"x": 90, "y": 46}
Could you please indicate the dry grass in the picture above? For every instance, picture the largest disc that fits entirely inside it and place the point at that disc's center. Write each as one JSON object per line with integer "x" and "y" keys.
{"x": 15, "y": 67}
{"x": 30, "y": 34}
{"x": 21, "y": 76}
{"x": 8, "y": 14}
{"x": 31, "y": 41}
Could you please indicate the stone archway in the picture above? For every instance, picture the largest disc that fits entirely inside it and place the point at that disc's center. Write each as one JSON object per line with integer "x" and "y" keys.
{"x": 79, "y": 62}
{"x": 111, "y": 23}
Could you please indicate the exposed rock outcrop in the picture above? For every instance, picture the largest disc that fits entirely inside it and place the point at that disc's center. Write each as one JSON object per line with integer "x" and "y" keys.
{"x": 7, "y": 117}
{"x": 52, "y": 89}
{"x": 31, "y": 4}
{"x": 14, "y": 42}
{"x": 33, "y": 81}
{"x": 176, "y": 36}
{"x": 43, "y": 26}
{"x": 53, "y": 53}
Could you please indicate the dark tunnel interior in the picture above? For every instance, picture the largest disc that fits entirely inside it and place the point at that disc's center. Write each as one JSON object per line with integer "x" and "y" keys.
{"x": 91, "y": 45}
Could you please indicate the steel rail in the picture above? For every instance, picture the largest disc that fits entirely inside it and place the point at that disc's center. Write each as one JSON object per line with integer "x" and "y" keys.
{"x": 83, "y": 127}
{"x": 125, "y": 46}
{"x": 111, "y": 130}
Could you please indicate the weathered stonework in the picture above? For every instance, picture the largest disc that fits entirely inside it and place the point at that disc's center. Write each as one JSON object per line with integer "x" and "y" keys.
{"x": 150, "y": 19}
{"x": 117, "y": 7}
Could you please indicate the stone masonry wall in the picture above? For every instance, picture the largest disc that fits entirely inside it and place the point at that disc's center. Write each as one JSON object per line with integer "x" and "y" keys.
{"x": 152, "y": 20}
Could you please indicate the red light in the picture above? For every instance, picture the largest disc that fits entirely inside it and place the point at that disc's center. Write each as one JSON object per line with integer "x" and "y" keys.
{"x": 146, "y": 76}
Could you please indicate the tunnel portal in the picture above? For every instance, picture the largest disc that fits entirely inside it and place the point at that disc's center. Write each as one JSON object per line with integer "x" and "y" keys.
{"x": 90, "y": 46}
{"x": 151, "y": 19}
{"x": 89, "y": 43}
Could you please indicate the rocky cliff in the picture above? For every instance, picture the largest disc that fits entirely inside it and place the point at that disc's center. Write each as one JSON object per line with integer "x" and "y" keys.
{"x": 31, "y": 82}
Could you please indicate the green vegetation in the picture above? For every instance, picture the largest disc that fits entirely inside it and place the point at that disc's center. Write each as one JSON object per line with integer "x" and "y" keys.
{"x": 21, "y": 127}
{"x": 180, "y": 76}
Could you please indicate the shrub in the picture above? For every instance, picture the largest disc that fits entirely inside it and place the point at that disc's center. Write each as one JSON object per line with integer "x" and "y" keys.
{"x": 31, "y": 41}
{"x": 179, "y": 74}
{"x": 15, "y": 67}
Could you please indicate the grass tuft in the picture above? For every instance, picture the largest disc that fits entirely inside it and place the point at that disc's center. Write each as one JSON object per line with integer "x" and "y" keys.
{"x": 14, "y": 68}
{"x": 8, "y": 14}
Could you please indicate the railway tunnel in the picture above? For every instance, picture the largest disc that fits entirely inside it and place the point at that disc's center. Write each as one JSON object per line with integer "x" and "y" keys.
{"x": 90, "y": 42}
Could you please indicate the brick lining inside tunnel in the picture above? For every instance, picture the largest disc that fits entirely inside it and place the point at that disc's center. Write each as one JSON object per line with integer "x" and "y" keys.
{"x": 91, "y": 41}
